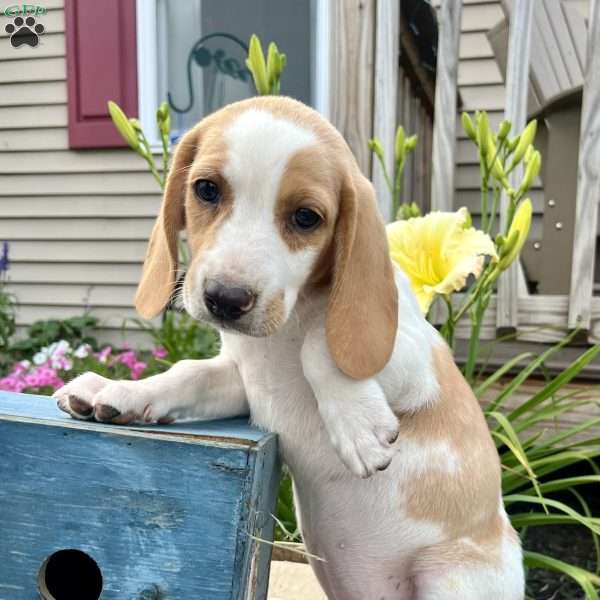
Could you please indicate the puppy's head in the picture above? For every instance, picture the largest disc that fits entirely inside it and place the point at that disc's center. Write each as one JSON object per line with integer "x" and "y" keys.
{"x": 274, "y": 205}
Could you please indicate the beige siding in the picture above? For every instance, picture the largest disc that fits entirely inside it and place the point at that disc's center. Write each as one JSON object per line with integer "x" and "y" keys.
{"x": 77, "y": 221}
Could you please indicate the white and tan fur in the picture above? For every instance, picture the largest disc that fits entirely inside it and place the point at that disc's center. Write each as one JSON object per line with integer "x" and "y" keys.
{"x": 335, "y": 357}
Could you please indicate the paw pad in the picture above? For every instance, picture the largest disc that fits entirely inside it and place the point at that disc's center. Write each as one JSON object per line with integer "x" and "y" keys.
{"x": 24, "y": 31}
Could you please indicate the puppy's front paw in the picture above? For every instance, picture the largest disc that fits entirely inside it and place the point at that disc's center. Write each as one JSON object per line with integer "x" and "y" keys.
{"x": 364, "y": 439}
{"x": 91, "y": 396}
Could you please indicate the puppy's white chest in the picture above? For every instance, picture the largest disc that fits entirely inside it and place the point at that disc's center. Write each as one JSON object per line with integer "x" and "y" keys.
{"x": 280, "y": 398}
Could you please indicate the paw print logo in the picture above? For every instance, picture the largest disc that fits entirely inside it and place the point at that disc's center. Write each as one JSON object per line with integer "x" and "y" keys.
{"x": 24, "y": 31}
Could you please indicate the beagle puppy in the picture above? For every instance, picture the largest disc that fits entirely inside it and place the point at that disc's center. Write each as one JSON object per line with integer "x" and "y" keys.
{"x": 396, "y": 477}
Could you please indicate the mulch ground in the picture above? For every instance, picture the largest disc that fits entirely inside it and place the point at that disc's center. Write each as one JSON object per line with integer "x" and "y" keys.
{"x": 568, "y": 543}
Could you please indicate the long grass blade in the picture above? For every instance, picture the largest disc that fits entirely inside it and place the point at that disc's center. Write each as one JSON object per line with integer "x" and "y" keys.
{"x": 557, "y": 383}
{"x": 586, "y": 580}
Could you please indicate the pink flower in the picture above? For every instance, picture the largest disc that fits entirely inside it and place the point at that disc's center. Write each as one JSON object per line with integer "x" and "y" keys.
{"x": 103, "y": 355}
{"x": 137, "y": 369}
{"x": 127, "y": 358}
{"x": 159, "y": 352}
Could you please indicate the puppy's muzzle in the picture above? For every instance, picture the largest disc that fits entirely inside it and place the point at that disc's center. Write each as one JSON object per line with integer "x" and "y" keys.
{"x": 227, "y": 303}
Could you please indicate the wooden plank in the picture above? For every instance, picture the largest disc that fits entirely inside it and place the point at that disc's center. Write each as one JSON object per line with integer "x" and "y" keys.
{"x": 474, "y": 45}
{"x": 552, "y": 44}
{"x": 26, "y": 117}
{"x": 483, "y": 97}
{"x": 25, "y": 139}
{"x": 568, "y": 53}
{"x": 23, "y": 94}
{"x": 480, "y": 71}
{"x": 73, "y": 273}
{"x": 480, "y": 17}
{"x": 72, "y": 294}
{"x": 77, "y": 184}
{"x": 517, "y": 78}
{"x": 108, "y": 316}
{"x": 42, "y": 69}
{"x": 203, "y": 532}
{"x": 74, "y": 161}
{"x": 387, "y": 35}
{"x": 588, "y": 183}
{"x": 444, "y": 134}
{"x": 136, "y": 228}
{"x": 578, "y": 32}
{"x": 351, "y": 51}
{"x": 80, "y": 252}
{"x": 81, "y": 206}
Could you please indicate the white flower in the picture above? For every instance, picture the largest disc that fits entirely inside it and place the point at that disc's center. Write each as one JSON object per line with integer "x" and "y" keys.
{"x": 59, "y": 348}
{"x": 41, "y": 357}
{"x": 82, "y": 351}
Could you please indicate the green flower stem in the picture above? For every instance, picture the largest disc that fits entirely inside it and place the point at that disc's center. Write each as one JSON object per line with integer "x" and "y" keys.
{"x": 448, "y": 327}
{"x": 388, "y": 182}
{"x": 165, "y": 156}
{"x": 477, "y": 314}
{"x": 397, "y": 188}
{"x": 495, "y": 203}
{"x": 146, "y": 154}
{"x": 484, "y": 193}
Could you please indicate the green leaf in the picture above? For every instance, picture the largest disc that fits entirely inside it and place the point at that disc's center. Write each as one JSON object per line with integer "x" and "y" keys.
{"x": 527, "y": 371}
{"x": 591, "y": 524}
{"x": 494, "y": 377}
{"x": 558, "y": 382}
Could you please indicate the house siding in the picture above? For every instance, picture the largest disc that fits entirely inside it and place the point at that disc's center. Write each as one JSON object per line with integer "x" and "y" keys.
{"x": 77, "y": 220}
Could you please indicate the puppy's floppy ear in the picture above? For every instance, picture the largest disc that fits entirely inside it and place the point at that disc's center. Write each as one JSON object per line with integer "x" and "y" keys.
{"x": 159, "y": 274}
{"x": 362, "y": 313}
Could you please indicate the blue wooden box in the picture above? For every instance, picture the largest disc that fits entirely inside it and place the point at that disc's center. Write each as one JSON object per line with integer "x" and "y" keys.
{"x": 166, "y": 512}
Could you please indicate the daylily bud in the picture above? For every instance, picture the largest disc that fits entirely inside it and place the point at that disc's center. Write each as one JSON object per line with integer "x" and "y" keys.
{"x": 256, "y": 64}
{"x": 468, "y": 126}
{"x": 404, "y": 212}
{"x": 376, "y": 147}
{"x": 529, "y": 153}
{"x": 163, "y": 118}
{"x": 517, "y": 234}
{"x": 399, "y": 145}
{"x": 468, "y": 219}
{"x": 135, "y": 123}
{"x": 483, "y": 134}
{"x": 411, "y": 143}
{"x": 500, "y": 240}
{"x": 415, "y": 211}
{"x": 533, "y": 169}
{"x": 123, "y": 125}
{"x": 504, "y": 129}
{"x": 527, "y": 138}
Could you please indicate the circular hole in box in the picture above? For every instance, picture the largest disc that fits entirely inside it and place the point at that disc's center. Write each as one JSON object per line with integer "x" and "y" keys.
{"x": 70, "y": 575}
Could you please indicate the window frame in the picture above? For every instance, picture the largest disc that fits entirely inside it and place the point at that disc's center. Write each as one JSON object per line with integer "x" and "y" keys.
{"x": 148, "y": 64}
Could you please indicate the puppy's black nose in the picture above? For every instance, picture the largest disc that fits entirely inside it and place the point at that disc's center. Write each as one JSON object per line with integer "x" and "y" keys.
{"x": 228, "y": 303}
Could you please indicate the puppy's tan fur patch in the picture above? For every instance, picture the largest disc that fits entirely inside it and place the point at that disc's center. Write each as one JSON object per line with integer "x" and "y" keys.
{"x": 455, "y": 418}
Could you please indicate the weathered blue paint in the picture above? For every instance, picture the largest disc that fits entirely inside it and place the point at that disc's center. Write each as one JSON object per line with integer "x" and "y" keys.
{"x": 177, "y": 507}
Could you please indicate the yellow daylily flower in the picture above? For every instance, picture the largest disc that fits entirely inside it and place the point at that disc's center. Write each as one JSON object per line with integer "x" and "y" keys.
{"x": 438, "y": 252}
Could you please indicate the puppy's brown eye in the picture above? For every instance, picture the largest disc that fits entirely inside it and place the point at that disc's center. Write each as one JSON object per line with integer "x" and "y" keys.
{"x": 306, "y": 219}
{"x": 207, "y": 190}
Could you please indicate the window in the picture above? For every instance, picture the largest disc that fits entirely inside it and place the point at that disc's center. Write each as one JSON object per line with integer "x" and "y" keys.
{"x": 193, "y": 53}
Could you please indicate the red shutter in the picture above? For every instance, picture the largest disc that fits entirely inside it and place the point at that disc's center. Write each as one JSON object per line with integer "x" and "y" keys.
{"x": 101, "y": 66}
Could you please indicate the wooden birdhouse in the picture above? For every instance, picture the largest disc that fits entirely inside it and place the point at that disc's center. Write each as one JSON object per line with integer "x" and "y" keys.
{"x": 91, "y": 511}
